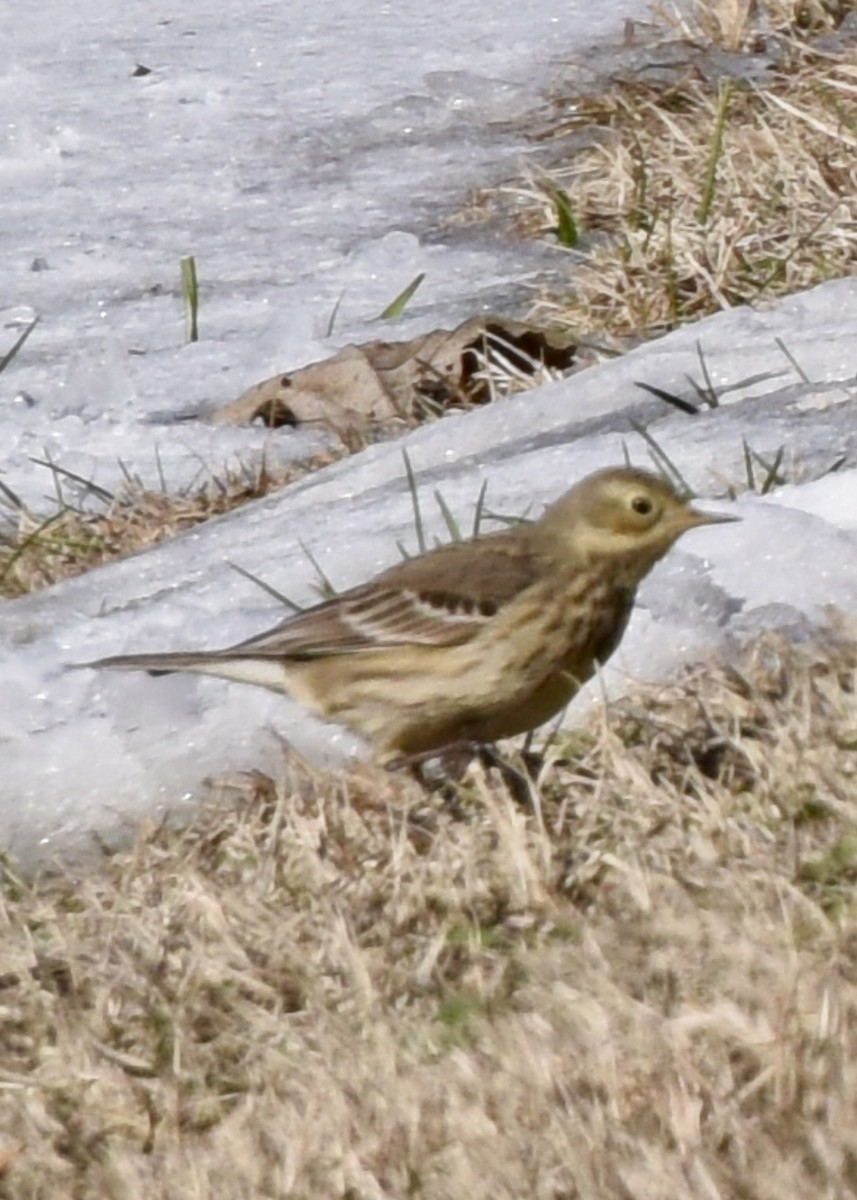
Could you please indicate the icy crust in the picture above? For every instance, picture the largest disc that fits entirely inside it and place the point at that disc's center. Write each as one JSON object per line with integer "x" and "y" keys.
{"x": 83, "y": 750}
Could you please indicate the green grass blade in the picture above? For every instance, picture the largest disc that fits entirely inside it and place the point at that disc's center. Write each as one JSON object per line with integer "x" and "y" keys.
{"x": 93, "y": 488}
{"x": 266, "y": 587}
{"x": 794, "y": 362}
{"x": 419, "y": 526}
{"x": 19, "y": 342}
{"x": 773, "y": 478}
{"x": 668, "y": 398}
{"x": 662, "y": 460}
{"x": 567, "y": 230}
{"x": 396, "y": 307}
{"x": 709, "y": 184}
{"x": 453, "y": 528}
{"x": 25, "y": 544}
{"x": 332, "y": 322}
{"x": 324, "y": 586}
{"x": 12, "y": 498}
{"x": 479, "y": 511}
{"x": 190, "y": 292}
{"x": 709, "y": 393}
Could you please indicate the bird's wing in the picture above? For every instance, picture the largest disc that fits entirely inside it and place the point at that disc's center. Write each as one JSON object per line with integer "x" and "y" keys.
{"x": 442, "y": 598}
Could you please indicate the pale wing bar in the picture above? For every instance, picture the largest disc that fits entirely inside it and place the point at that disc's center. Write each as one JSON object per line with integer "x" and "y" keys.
{"x": 369, "y": 620}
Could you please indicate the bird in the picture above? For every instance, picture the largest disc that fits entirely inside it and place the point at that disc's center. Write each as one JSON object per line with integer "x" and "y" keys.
{"x": 472, "y": 641}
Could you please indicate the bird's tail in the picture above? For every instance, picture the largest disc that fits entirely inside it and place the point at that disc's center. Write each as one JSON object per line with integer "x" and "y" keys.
{"x": 222, "y": 664}
{"x": 155, "y": 664}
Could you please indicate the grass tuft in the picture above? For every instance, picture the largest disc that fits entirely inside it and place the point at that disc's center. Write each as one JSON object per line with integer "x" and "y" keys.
{"x": 708, "y": 192}
{"x": 37, "y": 551}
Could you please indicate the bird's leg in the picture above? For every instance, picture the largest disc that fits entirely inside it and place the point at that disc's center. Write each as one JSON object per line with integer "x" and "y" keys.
{"x": 521, "y": 781}
{"x": 443, "y": 770}
{"x": 433, "y": 766}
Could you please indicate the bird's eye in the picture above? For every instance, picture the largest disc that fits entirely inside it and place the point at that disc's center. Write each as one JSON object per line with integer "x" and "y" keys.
{"x": 642, "y": 505}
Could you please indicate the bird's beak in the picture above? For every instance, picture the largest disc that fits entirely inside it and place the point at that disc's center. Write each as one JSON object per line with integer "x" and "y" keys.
{"x": 693, "y": 517}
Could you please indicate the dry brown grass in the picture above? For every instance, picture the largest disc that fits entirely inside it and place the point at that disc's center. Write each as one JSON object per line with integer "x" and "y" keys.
{"x": 643, "y": 983}
{"x": 697, "y": 196}
{"x": 37, "y": 551}
{"x": 745, "y": 24}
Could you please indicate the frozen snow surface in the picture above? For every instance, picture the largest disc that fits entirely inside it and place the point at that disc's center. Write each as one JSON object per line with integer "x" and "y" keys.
{"x": 296, "y": 150}
{"x": 302, "y": 158}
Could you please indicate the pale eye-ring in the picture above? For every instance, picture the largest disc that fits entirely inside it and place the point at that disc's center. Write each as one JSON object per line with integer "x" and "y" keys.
{"x": 642, "y": 505}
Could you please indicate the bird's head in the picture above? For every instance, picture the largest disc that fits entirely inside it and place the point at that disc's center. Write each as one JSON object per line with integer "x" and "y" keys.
{"x": 624, "y": 514}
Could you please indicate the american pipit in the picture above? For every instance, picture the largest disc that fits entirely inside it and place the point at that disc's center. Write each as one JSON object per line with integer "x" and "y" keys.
{"x": 473, "y": 641}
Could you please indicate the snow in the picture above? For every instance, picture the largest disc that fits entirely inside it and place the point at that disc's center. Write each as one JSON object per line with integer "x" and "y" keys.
{"x": 297, "y": 154}
{"x": 302, "y": 160}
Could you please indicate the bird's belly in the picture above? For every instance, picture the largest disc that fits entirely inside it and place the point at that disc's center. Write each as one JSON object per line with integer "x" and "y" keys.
{"x": 420, "y": 698}
{"x": 546, "y": 685}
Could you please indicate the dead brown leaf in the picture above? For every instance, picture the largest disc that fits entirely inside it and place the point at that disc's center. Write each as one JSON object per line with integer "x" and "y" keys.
{"x": 364, "y": 391}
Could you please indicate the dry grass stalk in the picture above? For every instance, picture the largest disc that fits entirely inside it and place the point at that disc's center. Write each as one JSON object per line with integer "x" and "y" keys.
{"x": 646, "y": 984}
